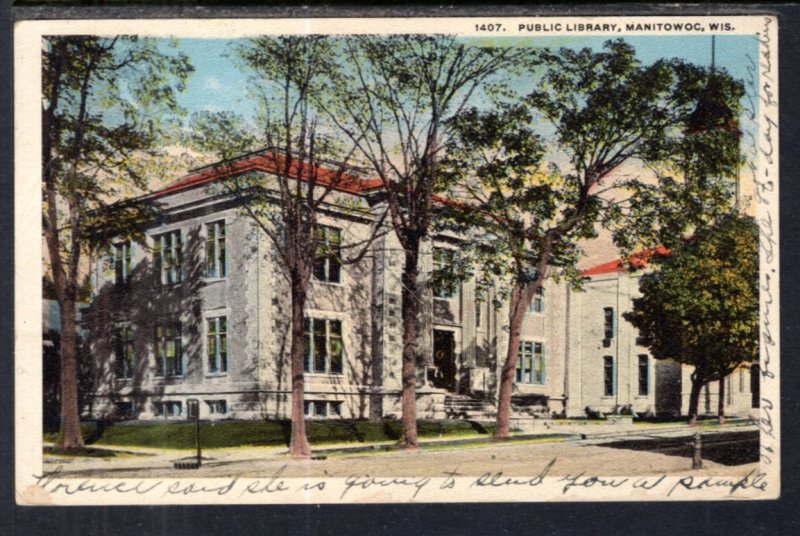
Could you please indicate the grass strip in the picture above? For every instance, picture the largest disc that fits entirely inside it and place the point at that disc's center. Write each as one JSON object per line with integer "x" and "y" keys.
{"x": 222, "y": 434}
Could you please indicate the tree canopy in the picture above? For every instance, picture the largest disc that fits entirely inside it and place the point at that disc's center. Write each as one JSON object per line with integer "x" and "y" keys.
{"x": 526, "y": 199}
{"x": 393, "y": 101}
{"x": 699, "y": 305}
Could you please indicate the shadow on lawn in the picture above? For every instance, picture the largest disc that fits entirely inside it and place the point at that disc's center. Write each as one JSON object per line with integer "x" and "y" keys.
{"x": 91, "y": 452}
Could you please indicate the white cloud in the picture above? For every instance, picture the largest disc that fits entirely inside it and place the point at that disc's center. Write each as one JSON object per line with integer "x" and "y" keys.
{"x": 212, "y": 83}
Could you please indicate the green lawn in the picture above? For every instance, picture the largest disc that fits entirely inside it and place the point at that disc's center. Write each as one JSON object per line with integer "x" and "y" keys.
{"x": 181, "y": 435}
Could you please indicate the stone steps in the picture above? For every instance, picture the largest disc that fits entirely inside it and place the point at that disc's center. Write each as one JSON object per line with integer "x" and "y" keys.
{"x": 466, "y": 407}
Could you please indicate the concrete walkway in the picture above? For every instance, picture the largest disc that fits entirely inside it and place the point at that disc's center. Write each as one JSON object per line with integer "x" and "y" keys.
{"x": 575, "y": 449}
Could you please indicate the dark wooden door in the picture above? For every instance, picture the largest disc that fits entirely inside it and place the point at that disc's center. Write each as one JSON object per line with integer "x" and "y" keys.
{"x": 444, "y": 358}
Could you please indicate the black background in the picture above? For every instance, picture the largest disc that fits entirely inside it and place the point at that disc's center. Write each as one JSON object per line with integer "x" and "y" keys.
{"x": 724, "y": 517}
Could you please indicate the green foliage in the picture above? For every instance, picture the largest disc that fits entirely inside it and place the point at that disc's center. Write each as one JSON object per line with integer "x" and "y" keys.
{"x": 699, "y": 306}
{"x": 221, "y": 434}
{"x": 524, "y": 210}
{"x": 108, "y": 103}
{"x": 503, "y": 199}
{"x": 694, "y": 163}
{"x": 606, "y": 106}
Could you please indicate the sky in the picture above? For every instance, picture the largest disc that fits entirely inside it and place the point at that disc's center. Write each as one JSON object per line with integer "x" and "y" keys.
{"x": 218, "y": 83}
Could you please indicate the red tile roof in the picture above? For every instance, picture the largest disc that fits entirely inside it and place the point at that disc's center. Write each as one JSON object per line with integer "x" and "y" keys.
{"x": 636, "y": 261}
{"x": 268, "y": 163}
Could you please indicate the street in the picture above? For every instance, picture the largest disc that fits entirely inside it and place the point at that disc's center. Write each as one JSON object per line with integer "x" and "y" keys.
{"x": 518, "y": 458}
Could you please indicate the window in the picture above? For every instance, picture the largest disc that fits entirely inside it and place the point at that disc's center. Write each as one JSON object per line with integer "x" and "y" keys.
{"x": 217, "y": 407}
{"x": 478, "y": 305}
{"x": 321, "y": 408}
{"x": 217, "y": 345}
{"x": 608, "y": 376}
{"x": 729, "y": 389}
{"x": 608, "y": 322}
{"x": 169, "y": 351}
{"x": 324, "y": 346}
{"x": 537, "y": 304}
{"x": 327, "y": 264}
{"x": 169, "y": 409}
{"x": 530, "y": 367}
{"x": 123, "y": 353}
{"x": 644, "y": 375}
{"x": 121, "y": 261}
{"x": 443, "y": 278}
{"x": 168, "y": 258}
{"x": 216, "y": 262}
{"x": 741, "y": 380}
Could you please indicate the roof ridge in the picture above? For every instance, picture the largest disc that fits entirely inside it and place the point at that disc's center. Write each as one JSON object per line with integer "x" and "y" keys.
{"x": 346, "y": 181}
{"x": 637, "y": 260}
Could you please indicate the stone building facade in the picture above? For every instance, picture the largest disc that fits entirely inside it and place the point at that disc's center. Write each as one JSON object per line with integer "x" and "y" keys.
{"x": 608, "y": 370}
{"x": 200, "y": 309}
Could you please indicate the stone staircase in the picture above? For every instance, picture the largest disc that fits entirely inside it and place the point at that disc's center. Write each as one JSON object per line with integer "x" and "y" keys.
{"x": 468, "y": 408}
{"x": 477, "y": 409}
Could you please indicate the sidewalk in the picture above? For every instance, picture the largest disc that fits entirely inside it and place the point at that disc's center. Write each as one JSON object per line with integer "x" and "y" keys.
{"x": 565, "y": 441}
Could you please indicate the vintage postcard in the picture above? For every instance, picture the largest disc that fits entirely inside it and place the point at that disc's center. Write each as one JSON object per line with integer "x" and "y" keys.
{"x": 353, "y": 260}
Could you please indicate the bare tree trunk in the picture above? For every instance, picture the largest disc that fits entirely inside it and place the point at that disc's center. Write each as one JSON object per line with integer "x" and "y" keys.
{"x": 299, "y": 447}
{"x": 721, "y": 401}
{"x": 694, "y": 398}
{"x": 410, "y": 306}
{"x": 520, "y": 298}
{"x": 71, "y": 437}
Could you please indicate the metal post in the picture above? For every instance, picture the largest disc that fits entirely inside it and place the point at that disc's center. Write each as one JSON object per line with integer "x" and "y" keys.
{"x": 697, "y": 456}
{"x": 194, "y": 411}
{"x": 197, "y": 436}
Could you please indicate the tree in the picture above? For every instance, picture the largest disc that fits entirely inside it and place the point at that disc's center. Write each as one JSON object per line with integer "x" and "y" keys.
{"x": 393, "y": 101}
{"x": 707, "y": 157}
{"x": 699, "y": 305}
{"x": 607, "y": 111}
{"x": 308, "y": 164}
{"x": 106, "y": 104}
{"x": 509, "y": 212}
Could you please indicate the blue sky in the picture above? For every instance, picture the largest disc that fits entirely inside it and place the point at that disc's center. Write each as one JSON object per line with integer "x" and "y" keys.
{"x": 218, "y": 84}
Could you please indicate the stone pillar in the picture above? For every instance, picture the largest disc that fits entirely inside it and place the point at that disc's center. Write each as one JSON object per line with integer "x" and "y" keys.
{"x": 378, "y": 327}
{"x": 425, "y": 323}
{"x": 468, "y": 328}
{"x": 574, "y": 354}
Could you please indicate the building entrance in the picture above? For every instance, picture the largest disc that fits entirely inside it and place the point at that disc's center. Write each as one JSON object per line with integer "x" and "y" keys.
{"x": 444, "y": 359}
{"x": 755, "y": 386}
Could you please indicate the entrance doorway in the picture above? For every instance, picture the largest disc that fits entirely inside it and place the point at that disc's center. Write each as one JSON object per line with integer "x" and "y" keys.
{"x": 444, "y": 359}
{"x": 755, "y": 386}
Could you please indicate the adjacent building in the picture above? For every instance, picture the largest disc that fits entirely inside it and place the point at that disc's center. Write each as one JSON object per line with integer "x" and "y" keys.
{"x": 610, "y": 371}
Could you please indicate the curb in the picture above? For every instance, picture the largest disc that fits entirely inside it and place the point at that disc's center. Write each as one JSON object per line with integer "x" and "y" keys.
{"x": 443, "y": 443}
{"x": 319, "y": 453}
